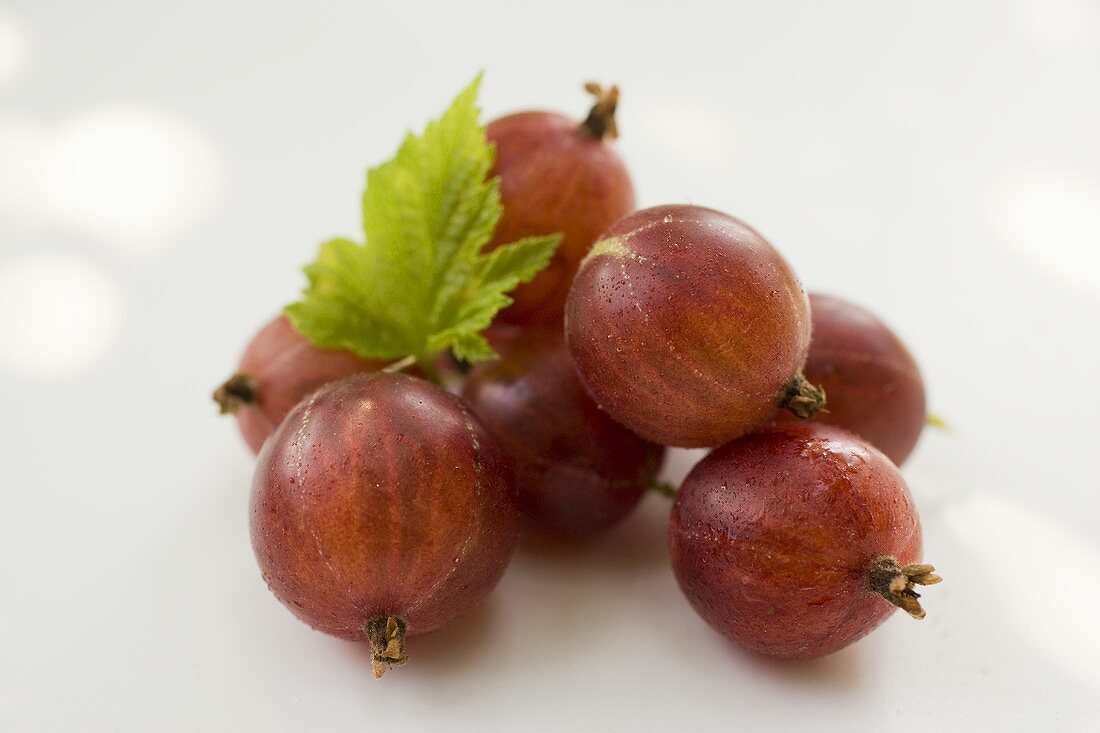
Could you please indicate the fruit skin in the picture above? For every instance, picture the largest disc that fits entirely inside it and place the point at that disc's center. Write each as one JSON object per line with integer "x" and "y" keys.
{"x": 874, "y": 385}
{"x": 577, "y": 470}
{"x": 686, "y": 325}
{"x": 282, "y": 367}
{"x": 772, "y": 537}
{"x": 381, "y": 496}
{"x": 555, "y": 176}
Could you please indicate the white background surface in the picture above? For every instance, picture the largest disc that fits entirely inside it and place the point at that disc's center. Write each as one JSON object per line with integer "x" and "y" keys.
{"x": 165, "y": 168}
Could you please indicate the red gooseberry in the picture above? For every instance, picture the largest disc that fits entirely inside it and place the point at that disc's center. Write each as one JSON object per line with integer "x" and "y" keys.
{"x": 278, "y": 369}
{"x": 689, "y": 328}
{"x": 577, "y": 470}
{"x": 558, "y": 176}
{"x": 797, "y": 541}
{"x": 874, "y": 385}
{"x": 381, "y": 508}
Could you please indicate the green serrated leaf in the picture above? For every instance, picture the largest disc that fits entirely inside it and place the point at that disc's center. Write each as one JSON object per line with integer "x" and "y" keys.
{"x": 472, "y": 348}
{"x": 485, "y": 293}
{"x": 420, "y": 283}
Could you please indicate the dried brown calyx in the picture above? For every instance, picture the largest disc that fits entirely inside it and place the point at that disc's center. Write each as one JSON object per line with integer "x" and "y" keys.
{"x": 802, "y": 398}
{"x": 600, "y": 122}
{"x": 387, "y": 642}
{"x": 235, "y": 393}
{"x": 896, "y": 582}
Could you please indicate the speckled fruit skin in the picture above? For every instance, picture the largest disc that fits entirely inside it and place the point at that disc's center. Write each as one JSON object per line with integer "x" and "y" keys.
{"x": 285, "y": 367}
{"x": 874, "y": 386}
{"x": 577, "y": 470}
{"x": 382, "y": 495}
{"x": 771, "y": 537}
{"x": 685, "y": 325}
{"x": 554, "y": 177}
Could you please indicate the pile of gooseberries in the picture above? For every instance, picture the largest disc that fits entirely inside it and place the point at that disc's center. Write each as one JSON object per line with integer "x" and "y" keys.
{"x": 386, "y": 506}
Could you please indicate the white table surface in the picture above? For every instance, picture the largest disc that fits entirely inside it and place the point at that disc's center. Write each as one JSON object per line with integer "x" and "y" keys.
{"x": 165, "y": 168}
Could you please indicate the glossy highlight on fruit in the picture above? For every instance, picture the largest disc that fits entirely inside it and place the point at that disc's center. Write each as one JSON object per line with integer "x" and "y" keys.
{"x": 797, "y": 541}
{"x": 577, "y": 470}
{"x": 689, "y": 328}
{"x": 382, "y": 508}
{"x": 558, "y": 175}
{"x": 278, "y": 369}
{"x": 874, "y": 386}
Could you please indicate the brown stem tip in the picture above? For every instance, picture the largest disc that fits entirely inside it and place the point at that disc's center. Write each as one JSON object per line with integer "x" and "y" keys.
{"x": 802, "y": 398}
{"x": 387, "y": 643}
{"x": 238, "y": 391}
{"x": 895, "y": 583}
{"x": 600, "y": 122}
